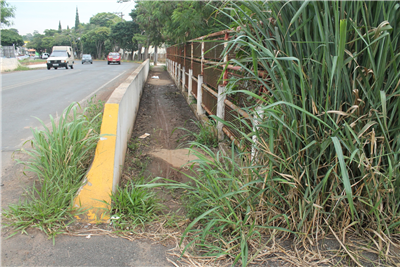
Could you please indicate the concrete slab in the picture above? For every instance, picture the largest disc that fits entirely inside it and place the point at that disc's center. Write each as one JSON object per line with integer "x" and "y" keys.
{"x": 7, "y": 64}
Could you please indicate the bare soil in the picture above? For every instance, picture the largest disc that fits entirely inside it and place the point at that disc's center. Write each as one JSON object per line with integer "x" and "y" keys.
{"x": 162, "y": 112}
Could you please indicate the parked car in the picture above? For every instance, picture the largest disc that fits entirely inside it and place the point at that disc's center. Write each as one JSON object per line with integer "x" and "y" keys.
{"x": 114, "y": 57}
{"x": 87, "y": 58}
{"x": 45, "y": 55}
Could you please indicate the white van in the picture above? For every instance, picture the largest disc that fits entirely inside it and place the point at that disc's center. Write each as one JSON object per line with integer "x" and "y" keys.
{"x": 62, "y": 56}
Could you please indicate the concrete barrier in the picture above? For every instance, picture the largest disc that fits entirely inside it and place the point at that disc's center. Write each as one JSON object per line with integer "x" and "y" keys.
{"x": 8, "y": 64}
{"x": 118, "y": 119}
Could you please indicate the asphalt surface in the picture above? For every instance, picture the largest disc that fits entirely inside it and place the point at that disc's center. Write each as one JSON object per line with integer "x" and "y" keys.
{"x": 31, "y": 95}
{"x": 37, "y": 250}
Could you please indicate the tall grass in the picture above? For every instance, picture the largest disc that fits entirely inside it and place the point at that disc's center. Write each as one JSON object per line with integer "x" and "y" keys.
{"x": 59, "y": 157}
{"x": 328, "y": 141}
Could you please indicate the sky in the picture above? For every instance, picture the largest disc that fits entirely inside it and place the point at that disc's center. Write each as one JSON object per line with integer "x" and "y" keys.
{"x": 39, "y": 15}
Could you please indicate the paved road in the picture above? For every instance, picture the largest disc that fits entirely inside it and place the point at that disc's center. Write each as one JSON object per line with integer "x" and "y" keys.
{"x": 34, "y": 248}
{"x": 39, "y": 93}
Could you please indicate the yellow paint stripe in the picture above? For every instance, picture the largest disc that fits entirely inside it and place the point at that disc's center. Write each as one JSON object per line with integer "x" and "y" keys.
{"x": 100, "y": 176}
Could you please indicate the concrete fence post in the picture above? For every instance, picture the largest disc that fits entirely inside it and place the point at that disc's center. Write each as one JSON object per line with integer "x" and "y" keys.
{"x": 176, "y": 71}
{"x": 200, "y": 110}
{"x": 183, "y": 79}
{"x": 179, "y": 76}
{"x": 190, "y": 86}
{"x": 221, "y": 111}
{"x": 173, "y": 69}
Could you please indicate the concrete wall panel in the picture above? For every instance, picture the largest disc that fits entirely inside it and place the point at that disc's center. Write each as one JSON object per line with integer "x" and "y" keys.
{"x": 118, "y": 120}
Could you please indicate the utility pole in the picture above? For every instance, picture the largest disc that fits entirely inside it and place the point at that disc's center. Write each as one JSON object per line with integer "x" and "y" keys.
{"x": 119, "y": 14}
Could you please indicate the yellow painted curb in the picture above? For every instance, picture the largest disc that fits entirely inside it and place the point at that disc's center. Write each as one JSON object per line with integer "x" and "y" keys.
{"x": 94, "y": 196}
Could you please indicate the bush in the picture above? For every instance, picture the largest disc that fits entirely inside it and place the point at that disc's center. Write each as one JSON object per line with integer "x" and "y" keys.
{"x": 60, "y": 157}
{"x": 327, "y": 127}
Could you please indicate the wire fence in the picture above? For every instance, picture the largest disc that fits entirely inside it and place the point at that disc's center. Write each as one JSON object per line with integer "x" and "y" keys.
{"x": 204, "y": 57}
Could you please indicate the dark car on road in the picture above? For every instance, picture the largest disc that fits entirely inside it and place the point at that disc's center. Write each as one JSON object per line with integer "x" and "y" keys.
{"x": 114, "y": 57}
{"x": 86, "y": 58}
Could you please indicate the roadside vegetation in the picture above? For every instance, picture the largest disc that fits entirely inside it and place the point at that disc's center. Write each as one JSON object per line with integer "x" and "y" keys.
{"x": 205, "y": 134}
{"x": 19, "y": 68}
{"x": 328, "y": 142}
{"x": 28, "y": 61}
{"x": 132, "y": 205}
{"x": 59, "y": 157}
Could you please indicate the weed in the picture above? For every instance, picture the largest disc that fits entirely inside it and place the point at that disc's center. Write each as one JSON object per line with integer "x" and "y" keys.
{"x": 60, "y": 156}
{"x": 172, "y": 220}
{"x": 207, "y": 134}
{"x": 19, "y": 68}
{"x": 28, "y": 61}
{"x": 133, "y": 145}
{"x": 92, "y": 110}
{"x": 133, "y": 205}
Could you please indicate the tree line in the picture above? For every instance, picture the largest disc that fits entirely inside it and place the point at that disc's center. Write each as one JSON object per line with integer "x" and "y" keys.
{"x": 152, "y": 24}
{"x": 105, "y": 32}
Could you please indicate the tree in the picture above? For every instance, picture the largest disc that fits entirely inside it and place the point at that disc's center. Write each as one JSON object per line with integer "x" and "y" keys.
{"x": 47, "y": 43}
{"x": 50, "y": 32}
{"x": 151, "y": 16}
{"x": 76, "y": 20}
{"x": 175, "y": 22}
{"x": 191, "y": 19}
{"x": 10, "y": 37}
{"x": 60, "y": 39}
{"x": 59, "y": 27}
{"x": 36, "y": 42}
{"x": 123, "y": 32}
{"x": 28, "y": 37}
{"x": 14, "y": 30}
{"x": 104, "y": 19}
{"x": 7, "y": 12}
{"x": 97, "y": 37}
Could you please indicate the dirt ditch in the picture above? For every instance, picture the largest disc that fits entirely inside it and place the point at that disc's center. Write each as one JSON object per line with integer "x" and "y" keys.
{"x": 162, "y": 153}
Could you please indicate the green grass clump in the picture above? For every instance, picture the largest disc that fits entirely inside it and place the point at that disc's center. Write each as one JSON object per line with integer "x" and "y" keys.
{"x": 207, "y": 133}
{"x": 133, "y": 205}
{"x": 59, "y": 157}
{"x": 28, "y": 61}
{"x": 19, "y": 68}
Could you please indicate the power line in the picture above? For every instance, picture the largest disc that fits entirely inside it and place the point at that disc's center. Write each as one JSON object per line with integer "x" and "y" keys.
{"x": 129, "y": 6}
{"x": 119, "y": 14}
